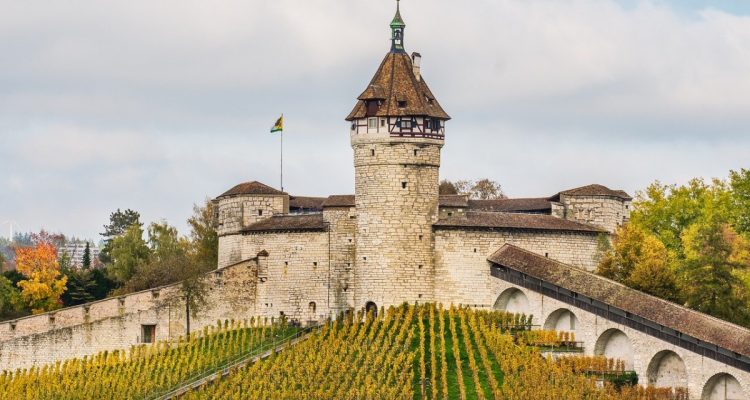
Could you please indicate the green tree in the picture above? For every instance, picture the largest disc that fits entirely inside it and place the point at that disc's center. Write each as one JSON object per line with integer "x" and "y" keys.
{"x": 2, "y": 262}
{"x": 716, "y": 258}
{"x": 639, "y": 260}
{"x": 203, "y": 237}
{"x": 739, "y": 181}
{"x": 119, "y": 222}
{"x": 10, "y": 299}
{"x": 667, "y": 210}
{"x": 86, "y": 262}
{"x": 128, "y": 251}
{"x": 81, "y": 286}
{"x": 193, "y": 290}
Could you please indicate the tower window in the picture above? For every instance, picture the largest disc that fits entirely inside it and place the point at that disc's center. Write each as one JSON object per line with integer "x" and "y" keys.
{"x": 148, "y": 333}
{"x": 260, "y": 212}
{"x": 403, "y": 185}
{"x": 372, "y": 152}
{"x": 401, "y": 104}
{"x": 372, "y": 123}
{"x": 415, "y": 152}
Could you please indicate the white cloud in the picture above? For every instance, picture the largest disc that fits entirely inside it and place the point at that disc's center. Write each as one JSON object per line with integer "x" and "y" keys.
{"x": 154, "y": 105}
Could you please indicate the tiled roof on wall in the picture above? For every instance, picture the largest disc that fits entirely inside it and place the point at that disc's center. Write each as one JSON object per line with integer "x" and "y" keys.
{"x": 698, "y": 325}
{"x": 305, "y": 222}
{"x": 512, "y": 205}
{"x": 505, "y": 220}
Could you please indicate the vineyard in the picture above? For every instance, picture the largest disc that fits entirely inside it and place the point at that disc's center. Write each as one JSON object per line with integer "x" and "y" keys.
{"x": 409, "y": 352}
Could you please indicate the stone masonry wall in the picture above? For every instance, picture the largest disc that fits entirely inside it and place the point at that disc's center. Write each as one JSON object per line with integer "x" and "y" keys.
{"x": 237, "y": 212}
{"x": 116, "y": 323}
{"x": 603, "y": 211}
{"x": 461, "y": 271}
{"x": 343, "y": 227}
{"x": 295, "y": 275}
{"x": 396, "y": 186}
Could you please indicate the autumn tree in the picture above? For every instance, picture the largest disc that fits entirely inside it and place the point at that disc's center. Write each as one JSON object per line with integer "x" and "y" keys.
{"x": 119, "y": 223}
{"x": 447, "y": 187}
{"x": 483, "y": 189}
{"x": 203, "y": 237}
{"x": 639, "y": 260}
{"x": 45, "y": 284}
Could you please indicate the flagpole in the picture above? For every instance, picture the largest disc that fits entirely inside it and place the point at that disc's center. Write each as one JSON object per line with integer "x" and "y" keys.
{"x": 282, "y": 154}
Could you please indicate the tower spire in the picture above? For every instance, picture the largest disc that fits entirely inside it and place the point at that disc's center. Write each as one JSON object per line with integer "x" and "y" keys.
{"x": 397, "y": 30}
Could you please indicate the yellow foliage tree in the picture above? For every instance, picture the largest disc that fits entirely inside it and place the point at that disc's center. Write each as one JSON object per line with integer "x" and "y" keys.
{"x": 45, "y": 284}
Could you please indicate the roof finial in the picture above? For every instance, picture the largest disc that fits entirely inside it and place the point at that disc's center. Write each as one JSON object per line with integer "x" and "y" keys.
{"x": 397, "y": 30}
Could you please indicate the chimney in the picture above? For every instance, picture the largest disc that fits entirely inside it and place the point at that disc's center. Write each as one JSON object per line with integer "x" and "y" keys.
{"x": 416, "y": 60}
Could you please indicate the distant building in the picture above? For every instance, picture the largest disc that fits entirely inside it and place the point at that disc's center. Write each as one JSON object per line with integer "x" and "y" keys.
{"x": 75, "y": 250}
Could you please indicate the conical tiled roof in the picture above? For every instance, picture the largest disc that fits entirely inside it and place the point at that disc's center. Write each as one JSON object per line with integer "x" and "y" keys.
{"x": 253, "y": 187}
{"x": 396, "y": 82}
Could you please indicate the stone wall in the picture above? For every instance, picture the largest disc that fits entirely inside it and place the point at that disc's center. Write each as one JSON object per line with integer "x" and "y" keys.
{"x": 604, "y": 211}
{"x": 396, "y": 186}
{"x": 461, "y": 271}
{"x": 343, "y": 226}
{"x": 117, "y": 323}
{"x": 645, "y": 353}
{"x": 237, "y": 212}
{"x": 295, "y": 275}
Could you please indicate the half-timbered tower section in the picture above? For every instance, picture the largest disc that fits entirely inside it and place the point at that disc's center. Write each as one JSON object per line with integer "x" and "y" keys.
{"x": 397, "y": 131}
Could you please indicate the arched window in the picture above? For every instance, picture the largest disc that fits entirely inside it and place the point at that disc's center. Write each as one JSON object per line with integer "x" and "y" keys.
{"x": 561, "y": 320}
{"x": 667, "y": 369}
{"x": 722, "y": 387}
{"x": 614, "y": 343}
{"x": 371, "y": 307}
{"x": 514, "y": 301}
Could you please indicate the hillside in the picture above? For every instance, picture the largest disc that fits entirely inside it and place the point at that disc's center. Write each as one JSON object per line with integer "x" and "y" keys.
{"x": 409, "y": 352}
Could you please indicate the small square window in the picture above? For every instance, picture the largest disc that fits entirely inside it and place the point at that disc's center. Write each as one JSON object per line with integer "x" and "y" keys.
{"x": 406, "y": 124}
{"x": 382, "y": 122}
{"x": 148, "y": 333}
{"x": 402, "y": 104}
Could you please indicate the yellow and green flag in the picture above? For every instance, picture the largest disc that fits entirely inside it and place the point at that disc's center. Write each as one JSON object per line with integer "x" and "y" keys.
{"x": 279, "y": 125}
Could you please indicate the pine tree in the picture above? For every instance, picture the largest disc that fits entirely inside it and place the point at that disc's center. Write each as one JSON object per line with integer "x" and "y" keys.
{"x": 87, "y": 257}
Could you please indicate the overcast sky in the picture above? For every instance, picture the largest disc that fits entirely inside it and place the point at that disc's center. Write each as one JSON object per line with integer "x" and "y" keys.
{"x": 155, "y": 105}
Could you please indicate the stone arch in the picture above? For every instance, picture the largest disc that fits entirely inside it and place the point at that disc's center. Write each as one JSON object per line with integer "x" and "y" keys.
{"x": 312, "y": 307}
{"x": 370, "y": 306}
{"x": 722, "y": 386}
{"x": 667, "y": 369}
{"x": 614, "y": 343}
{"x": 562, "y": 319}
{"x": 513, "y": 300}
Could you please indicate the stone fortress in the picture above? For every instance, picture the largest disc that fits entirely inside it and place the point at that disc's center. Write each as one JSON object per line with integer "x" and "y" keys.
{"x": 397, "y": 240}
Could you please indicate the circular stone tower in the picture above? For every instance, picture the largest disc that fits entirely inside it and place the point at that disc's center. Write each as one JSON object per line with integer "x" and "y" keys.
{"x": 397, "y": 131}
